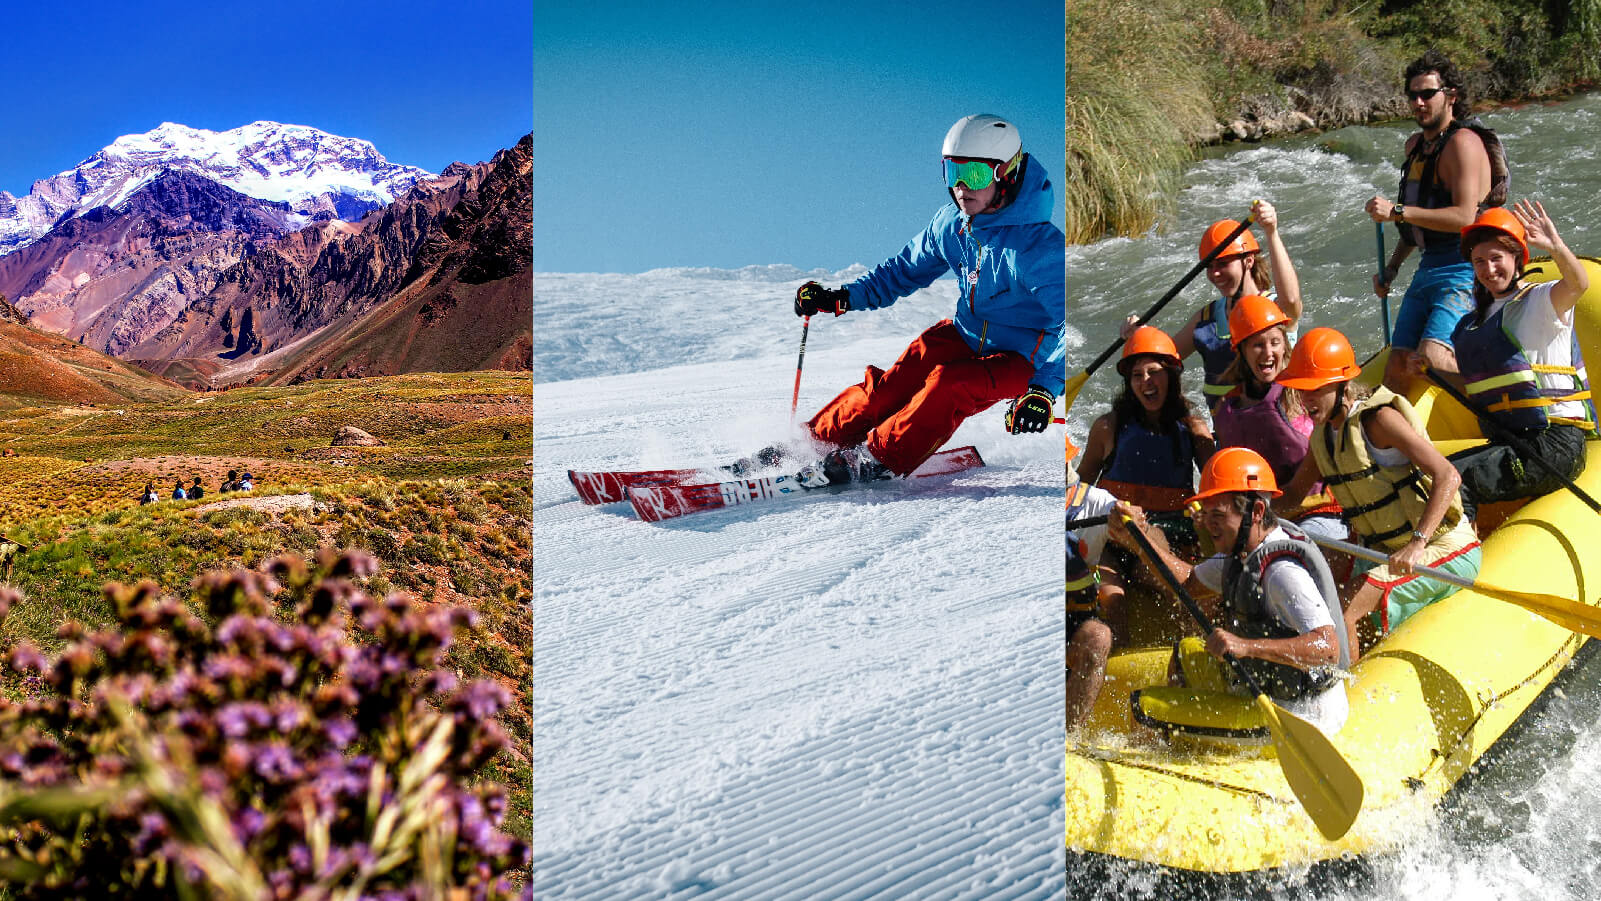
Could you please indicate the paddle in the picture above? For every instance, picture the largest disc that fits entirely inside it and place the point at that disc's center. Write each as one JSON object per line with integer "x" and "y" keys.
{"x": 1076, "y": 383}
{"x": 1518, "y": 444}
{"x": 1088, "y": 522}
{"x": 1568, "y": 614}
{"x": 1378, "y": 236}
{"x": 1327, "y": 787}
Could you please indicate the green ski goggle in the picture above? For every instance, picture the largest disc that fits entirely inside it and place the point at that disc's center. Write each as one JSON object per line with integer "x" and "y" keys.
{"x": 975, "y": 175}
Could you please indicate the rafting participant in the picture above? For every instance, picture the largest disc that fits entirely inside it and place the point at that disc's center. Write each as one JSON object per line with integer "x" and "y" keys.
{"x": 1518, "y": 357}
{"x": 1265, "y": 416}
{"x": 1271, "y": 596}
{"x": 1006, "y": 339}
{"x": 1239, "y": 271}
{"x": 1094, "y": 597}
{"x": 1396, "y": 491}
{"x": 1454, "y": 167}
{"x": 1147, "y": 449}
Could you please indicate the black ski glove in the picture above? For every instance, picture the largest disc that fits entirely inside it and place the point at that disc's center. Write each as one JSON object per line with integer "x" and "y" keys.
{"x": 1031, "y": 412}
{"x": 814, "y": 298}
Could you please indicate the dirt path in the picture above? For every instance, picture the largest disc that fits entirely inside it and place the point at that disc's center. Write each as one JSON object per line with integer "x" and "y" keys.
{"x": 278, "y": 503}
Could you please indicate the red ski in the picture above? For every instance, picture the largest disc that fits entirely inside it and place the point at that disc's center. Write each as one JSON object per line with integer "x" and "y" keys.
{"x": 654, "y": 503}
{"x": 611, "y": 487}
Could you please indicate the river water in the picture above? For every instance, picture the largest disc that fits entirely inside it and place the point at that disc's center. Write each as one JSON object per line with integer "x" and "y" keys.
{"x": 1528, "y": 824}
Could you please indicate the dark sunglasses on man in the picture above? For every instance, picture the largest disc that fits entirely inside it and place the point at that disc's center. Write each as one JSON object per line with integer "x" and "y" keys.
{"x": 1425, "y": 95}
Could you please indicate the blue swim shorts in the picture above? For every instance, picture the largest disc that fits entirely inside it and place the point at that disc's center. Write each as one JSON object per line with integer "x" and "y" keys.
{"x": 1440, "y": 294}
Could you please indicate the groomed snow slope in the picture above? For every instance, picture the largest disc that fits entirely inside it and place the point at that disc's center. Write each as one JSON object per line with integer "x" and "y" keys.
{"x": 856, "y": 695}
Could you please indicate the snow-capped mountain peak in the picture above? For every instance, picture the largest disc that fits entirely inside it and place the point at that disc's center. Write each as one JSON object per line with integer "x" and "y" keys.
{"x": 311, "y": 170}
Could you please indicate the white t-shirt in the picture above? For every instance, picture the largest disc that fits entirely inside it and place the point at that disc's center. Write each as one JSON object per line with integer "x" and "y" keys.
{"x": 1547, "y": 339}
{"x": 1292, "y": 599}
{"x": 1096, "y": 502}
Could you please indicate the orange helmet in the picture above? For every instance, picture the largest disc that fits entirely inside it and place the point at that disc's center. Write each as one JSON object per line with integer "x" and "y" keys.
{"x": 1497, "y": 219}
{"x": 1236, "y": 469}
{"x": 1321, "y": 357}
{"x": 1251, "y": 314}
{"x": 1148, "y": 340}
{"x": 1245, "y": 243}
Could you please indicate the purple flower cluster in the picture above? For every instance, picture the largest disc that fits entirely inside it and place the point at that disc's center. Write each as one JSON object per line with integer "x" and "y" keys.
{"x": 261, "y": 756}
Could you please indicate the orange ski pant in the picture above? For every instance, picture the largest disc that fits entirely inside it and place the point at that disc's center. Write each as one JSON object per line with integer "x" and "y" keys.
{"x": 908, "y": 412}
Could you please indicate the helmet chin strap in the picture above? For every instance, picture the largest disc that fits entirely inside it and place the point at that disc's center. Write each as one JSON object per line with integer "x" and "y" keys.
{"x": 1246, "y": 525}
{"x": 1245, "y": 270}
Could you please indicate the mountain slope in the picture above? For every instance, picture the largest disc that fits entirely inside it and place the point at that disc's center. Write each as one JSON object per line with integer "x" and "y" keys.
{"x": 317, "y": 174}
{"x": 440, "y": 280}
{"x": 40, "y": 368}
{"x": 113, "y": 277}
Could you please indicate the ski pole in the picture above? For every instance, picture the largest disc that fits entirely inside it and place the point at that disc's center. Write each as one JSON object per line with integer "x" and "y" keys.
{"x": 794, "y": 401}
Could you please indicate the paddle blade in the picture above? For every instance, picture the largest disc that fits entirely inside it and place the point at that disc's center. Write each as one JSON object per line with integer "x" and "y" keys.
{"x": 1568, "y": 614}
{"x": 1072, "y": 388}
{"x": 1326, "y": 785}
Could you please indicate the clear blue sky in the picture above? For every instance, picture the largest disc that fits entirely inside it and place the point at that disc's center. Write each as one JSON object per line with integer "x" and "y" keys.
{"x": 428, "y": 83}
{"x": 729, "y": 134}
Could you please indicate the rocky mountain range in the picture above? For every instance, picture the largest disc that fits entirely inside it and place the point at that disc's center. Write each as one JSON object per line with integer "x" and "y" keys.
{"x": 212, "y": 286}
{"x": 111, "y": 277}
{"x": 318, "y": 175}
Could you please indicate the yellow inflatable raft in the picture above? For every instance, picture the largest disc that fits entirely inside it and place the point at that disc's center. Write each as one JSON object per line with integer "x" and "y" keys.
{"x": 1426, "y": 702}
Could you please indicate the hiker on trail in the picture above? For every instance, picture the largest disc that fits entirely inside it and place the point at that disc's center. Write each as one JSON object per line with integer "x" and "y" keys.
{"x": 1454, "y": 168}
{"x": 149, "y": 495}
{"x": 233, "y": 482}
{"x": 1007, "y": 339}
{"x": 1095, "y": 618}
{"x": 177, "y": 490}
{"x": 1519, "y": 359}
{"x": 9, "y": 551}
{"x": 196, "y": 491}
{"x": 247, "y": 482}
{"x": 1147, "y": 449}
{"x": 1397, "y": 492}
{"x": 1271, "y": 596}
{"x": 1239, "y": 271}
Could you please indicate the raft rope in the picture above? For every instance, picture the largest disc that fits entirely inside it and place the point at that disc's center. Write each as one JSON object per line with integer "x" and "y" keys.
{"x": 1105, "y": 757}
{"x": 1563, "y": 653}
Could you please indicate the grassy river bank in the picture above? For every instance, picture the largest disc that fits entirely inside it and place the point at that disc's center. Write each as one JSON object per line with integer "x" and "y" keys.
{"x": 1148, "y": 84}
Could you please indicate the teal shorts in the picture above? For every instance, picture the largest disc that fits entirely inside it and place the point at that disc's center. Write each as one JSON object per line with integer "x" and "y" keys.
{"x": 1406, "y": 595}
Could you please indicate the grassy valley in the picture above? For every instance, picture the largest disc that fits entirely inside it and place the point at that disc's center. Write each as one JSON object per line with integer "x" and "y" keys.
{"x": 443, "y": 505}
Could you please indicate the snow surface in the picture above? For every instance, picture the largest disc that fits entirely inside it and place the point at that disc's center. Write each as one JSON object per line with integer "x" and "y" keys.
{"x": 857, "y": 695}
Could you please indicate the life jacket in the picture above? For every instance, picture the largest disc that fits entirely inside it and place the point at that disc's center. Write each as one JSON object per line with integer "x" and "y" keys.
{"x": 1383, "y": 504}
{"x": 1262, "y": 427}
{"x": 1503, "y": 383}
{"x": 1212, "y": 343}
{"x": 1421, "y": 186}
{"x": 1082, "y": 581}
{"x": 1245, "y": 613}
{"x": 1151, "y": 470}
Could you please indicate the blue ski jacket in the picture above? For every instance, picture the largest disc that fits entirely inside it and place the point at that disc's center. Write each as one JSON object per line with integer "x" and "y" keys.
{"x": 1010, "y": 268}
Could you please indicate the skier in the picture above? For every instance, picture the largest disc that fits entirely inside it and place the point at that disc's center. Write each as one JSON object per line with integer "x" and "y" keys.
{"x": 1005, "y": 341}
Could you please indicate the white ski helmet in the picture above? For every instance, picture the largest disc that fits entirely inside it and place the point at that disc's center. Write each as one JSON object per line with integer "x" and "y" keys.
{"x": 984, "y": 137}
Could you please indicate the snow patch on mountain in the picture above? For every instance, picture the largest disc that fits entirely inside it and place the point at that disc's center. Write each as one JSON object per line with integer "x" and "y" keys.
{"x": 315, "y": 172}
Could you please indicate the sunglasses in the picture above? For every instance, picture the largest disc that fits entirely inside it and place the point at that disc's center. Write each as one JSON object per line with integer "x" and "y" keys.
{"x": 976, "y": 175}
{"x": 1425, "y": 95}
